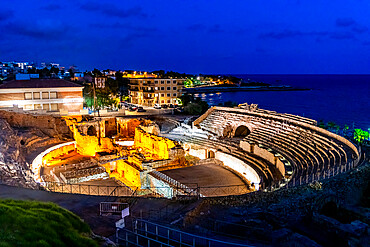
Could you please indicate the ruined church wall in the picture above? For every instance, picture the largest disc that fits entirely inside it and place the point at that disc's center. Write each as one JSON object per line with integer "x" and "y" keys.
{"x": 124, "y": 172}
{"x": 126, "y": 127}
{"x": 89, "y": 145}
{"x": 157, "y": 145}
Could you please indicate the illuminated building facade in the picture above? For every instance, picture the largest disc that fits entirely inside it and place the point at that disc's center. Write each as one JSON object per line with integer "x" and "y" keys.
{"x": 150, "y": 91}
{"x": 50, "y": 95}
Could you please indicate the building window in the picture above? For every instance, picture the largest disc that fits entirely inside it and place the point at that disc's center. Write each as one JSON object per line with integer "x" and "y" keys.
{"x": 173, "y": 82}
{"x": 156, "y": 88}
{"x": 168, "y": 95}
{"x": 53, "y": 95}
{"x": 162, "y": 88}
{"x": 162, "y": 94}
{"x": 162, "y": 82}
{"x": 28, "y": 107}
{"x": 168, "y": 88}
{"x": 175, "y": 88}
{"x": 162, "y": 101}
{"x": 168, "y": 101}
{"x": 168, "y": 82}
{"x": 156, "y": 82}
{"x": 53, "y": 107}
{"x": 45, "y": 95}
{"x": 175, "y": 94}
{"x": 27, "y": 95}
{"x": 38, "y": 106}
{"x": 36, "y": 95}
{"x": 46, "y": 107}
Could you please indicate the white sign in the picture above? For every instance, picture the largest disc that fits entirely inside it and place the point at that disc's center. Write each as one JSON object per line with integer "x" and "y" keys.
{"x": 120, "y": 224}
{"x": 125, "y": 212}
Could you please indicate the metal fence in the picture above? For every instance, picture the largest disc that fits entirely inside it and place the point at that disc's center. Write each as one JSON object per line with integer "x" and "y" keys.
{"x": 152, "y": 234}
{"x": 112, "y": 207}
{"x": 310, "y": 178}
{"x": 181, "y": 190}
{"x": 97, "y": 190}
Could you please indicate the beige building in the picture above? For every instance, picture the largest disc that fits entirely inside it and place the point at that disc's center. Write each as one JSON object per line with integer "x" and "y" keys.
{"x": 50, "y": 95}
{"x": 150, "y": 91}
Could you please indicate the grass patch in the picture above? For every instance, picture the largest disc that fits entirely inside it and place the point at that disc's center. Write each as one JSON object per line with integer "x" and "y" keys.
{"x": 32, "y": 223}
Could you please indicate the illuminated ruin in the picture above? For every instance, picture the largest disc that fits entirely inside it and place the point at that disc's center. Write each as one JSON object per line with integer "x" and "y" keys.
{"x": 101, "y": 139}
{"x": 264, "y": 149}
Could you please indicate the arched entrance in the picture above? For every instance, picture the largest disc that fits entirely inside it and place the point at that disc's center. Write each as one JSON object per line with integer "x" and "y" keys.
{"x": 242, "y": 131}
{"x": 211, "y": 154}
{"x": 91, "y": 131}
{"x": 329, "y": 209}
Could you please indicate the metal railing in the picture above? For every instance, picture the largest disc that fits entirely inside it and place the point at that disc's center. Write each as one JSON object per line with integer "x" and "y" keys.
{"x": 112, "y": 207}
{"x": 179, "y": 187}
{"x": 125, "y": 237}
{"x": 152, "y": 232}
{"x": 87, "y": 189}
{"x": 310, "y": 178}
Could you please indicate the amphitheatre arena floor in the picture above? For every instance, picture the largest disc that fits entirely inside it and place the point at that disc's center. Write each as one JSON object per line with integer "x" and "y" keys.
{"x": 207, "y": 175}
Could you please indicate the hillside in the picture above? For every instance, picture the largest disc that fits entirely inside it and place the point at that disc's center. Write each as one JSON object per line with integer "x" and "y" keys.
{"x": 31, "y": 223}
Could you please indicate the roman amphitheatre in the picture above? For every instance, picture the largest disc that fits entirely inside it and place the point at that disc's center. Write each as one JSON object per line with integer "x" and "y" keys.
{"x": 228, "y": 157}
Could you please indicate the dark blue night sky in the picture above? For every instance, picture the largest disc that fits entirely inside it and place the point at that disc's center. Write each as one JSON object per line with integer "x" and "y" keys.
{"x": 194, "y": 36}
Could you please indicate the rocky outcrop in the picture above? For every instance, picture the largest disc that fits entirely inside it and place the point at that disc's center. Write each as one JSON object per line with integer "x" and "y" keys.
{"x": 22, "y": 137}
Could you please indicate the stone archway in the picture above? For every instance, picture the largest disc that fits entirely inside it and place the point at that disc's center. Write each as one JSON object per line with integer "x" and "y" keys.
{"x": 211, "y": 154}
{"x": 329, "y": 209}
{"x": 241, "y": 131}
{"x": 91, "y": 131}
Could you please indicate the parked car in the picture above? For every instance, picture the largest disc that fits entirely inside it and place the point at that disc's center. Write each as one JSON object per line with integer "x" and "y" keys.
{"x": 157, "y": 106}
{"x": 132, "y": 108}
{"x": 165, "y": 106}
{"x": 170, "y": 106}
{"x": 141, "y": 109}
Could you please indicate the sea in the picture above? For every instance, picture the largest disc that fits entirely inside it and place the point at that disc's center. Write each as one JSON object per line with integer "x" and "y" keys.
{"x": 343, "y": 99}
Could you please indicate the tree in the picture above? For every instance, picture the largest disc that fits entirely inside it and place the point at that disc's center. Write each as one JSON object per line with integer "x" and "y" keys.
{"x": 97, "y": 72}
{"x": 54, "y": 70}
{"x": 32, "y": 70}
{"x": 360, "y": 135}
{"x": 71, "y": 72}
{"x": 186, "y": 99}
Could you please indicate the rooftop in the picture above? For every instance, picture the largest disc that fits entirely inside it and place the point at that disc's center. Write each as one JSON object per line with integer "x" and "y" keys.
{"x": 38, "y": 83}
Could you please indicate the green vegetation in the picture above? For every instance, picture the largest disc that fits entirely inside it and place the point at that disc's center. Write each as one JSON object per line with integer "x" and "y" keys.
{"x": 360, "y": 135}
{"x": 193, "y": 106}
{"x": 170, "y": 74}
{"x": 107, "y": 97}
{"x": 45, "y": 72}
{"x": 31, "y": 223}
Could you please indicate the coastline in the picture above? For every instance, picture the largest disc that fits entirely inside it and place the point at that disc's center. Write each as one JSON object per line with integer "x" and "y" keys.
{"x": 215, "y": 89}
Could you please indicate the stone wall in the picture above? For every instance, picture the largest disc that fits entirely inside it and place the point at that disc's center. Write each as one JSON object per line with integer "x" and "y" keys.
{"x": 124, "y": 172}
{"x": 263, "y": 153}
{"x": 240, "y": 167}
{"x": 50, "y": 125}
{"x": 230, "y": 161}
{"x": 159, "y": 146}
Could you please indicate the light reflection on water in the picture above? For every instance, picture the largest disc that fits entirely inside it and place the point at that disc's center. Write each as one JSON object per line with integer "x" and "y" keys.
{"x": 343, "y": 99}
